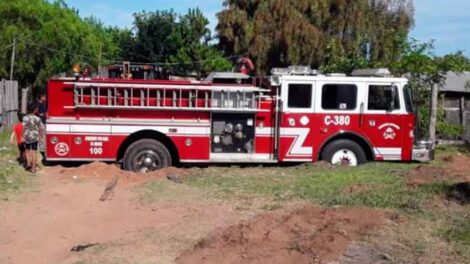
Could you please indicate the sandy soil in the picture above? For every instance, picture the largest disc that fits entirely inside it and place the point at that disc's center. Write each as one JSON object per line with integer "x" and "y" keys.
{"x": 43, "y": 226}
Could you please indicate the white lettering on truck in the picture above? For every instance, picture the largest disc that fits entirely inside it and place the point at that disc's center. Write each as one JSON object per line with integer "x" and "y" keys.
{"x": 337, "y": 120}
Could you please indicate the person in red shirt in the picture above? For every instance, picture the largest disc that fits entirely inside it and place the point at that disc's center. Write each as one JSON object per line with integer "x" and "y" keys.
{"x": 18, "y": 134}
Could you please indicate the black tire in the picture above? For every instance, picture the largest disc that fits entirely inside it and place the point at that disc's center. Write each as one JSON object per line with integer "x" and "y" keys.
{"x": 344, "y": 144}
{"x": 146, "y": 155}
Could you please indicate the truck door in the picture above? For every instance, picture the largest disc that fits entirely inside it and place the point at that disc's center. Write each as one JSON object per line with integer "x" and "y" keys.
{"x": 383, "y": 120}
{"x": 295, "y": 140}
{"x": 337, "y": 114}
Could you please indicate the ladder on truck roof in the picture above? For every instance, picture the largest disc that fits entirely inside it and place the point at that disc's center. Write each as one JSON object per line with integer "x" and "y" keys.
{"x": 217, "y": 98}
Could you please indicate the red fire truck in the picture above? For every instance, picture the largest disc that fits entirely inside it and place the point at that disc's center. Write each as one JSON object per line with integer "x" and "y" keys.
{"x": 295, "y": 115}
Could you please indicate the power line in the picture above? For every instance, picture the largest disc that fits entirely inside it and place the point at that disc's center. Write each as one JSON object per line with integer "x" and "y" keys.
{"x": 28, "y": 42}
{"x": 186, "y": 63}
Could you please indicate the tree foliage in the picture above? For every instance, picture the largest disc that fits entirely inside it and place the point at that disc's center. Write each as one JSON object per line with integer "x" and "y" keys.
{"x": 424, "y": 70}
{"x": 178, "y": 42}
{"x": 338, "y": 35}
{"x": 50, "y": 38}
{"x": 418, "y": 60}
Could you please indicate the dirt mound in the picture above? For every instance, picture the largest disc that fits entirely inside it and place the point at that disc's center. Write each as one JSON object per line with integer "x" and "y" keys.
{"x": 104, "y": 171}
{"x": 455, "y": 170}
{"x": 307, "y": 235}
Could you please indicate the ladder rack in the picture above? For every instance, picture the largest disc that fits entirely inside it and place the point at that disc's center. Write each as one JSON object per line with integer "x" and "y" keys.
{"x": 167, "y": 97}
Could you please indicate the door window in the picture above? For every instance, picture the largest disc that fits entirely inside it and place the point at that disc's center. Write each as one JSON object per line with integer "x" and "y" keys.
{"x": 380, "y": 97}
{"x": 339, "y": 97}
{"x": 408, "y": 99}
{"x": 299, "y": 96}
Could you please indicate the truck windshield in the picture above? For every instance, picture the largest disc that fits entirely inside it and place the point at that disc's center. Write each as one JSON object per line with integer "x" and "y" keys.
{"x": 408, "y": 99}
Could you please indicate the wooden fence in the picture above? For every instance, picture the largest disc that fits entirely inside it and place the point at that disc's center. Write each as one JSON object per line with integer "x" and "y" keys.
{"x": 8, "y": 104}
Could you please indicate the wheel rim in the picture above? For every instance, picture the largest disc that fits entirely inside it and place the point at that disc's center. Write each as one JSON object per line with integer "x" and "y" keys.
{"x": 147, "y": 160}
{"x": 344, "y": 157}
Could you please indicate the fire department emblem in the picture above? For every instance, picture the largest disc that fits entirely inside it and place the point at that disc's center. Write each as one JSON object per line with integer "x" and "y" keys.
{"x": 62, "y": 149}
{"x": 304, "y": 120}
{"x": 390, "y": 134}
{"x": 390, "y": 131}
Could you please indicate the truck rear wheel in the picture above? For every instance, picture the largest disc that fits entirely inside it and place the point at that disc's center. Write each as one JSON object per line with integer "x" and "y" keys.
{"x": 344, "y": 152}
{"x": 146, "y": 155}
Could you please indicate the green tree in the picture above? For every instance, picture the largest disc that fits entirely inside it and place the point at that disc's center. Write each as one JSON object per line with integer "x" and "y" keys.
{"x": 50, "y": 38}
{"x": 153, "y": 41}
{"x": 195, "y": 52}
{"x": 429, "y": 71}
{"x": 335, "y": 35}
{"x": 180, "y": 43}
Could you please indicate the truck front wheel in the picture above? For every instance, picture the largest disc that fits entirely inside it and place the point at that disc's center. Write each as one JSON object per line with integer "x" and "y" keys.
{"x": 146, "y": 155}
{"x": 344, "y": 152}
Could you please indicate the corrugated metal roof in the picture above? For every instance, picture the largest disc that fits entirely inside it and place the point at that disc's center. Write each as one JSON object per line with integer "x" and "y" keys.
{"x": 457, "y": 82}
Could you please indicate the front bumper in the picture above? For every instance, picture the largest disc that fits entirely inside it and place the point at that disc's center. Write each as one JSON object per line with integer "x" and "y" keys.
{"x": 423, "y": 152}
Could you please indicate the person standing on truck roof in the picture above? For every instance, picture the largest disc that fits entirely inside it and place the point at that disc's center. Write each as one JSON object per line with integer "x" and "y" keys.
{"x": 31, "y": 132}
{"x": 18, "y": 134}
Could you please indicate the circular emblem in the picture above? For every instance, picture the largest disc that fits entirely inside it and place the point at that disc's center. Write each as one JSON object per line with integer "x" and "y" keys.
{"x": 62, "y": 149}
{"x": 304, "y": 120}
{"x": 390, "y": 134}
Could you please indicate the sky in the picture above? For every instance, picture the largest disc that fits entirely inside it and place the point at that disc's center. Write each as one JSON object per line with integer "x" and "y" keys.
{"x": 447, "y": 22}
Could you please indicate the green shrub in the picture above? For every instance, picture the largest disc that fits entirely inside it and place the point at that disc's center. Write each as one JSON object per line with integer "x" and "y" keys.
{"x": 449, "y": 131}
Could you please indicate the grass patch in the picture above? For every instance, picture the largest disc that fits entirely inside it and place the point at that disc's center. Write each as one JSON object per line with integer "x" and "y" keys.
{"x": 12, "y": 177}
{"x": 443, "y": 151}
{"x": 376, "y": 185}
{"x": 458, "y": 232}
{"x": 163, "y": 190}
{"x": 227, "y": 183}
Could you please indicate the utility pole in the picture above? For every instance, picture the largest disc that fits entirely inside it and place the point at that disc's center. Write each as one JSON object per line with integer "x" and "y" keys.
{"x": 99, "y": 63}
{"x": 433, "y": 113}
{"x": 12, "y": 63}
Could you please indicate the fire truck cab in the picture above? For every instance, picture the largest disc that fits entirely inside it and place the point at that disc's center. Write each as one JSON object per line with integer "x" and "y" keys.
{"x": 295, "y": 115}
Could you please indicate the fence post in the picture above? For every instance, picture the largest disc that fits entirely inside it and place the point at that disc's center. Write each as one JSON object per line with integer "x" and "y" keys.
{"x": 2, "y": 118}
{"x": 24, "y": 100}
{"x": 13, "y": 104}
{"x": 8, "y": 104}
{"x": 2, "y": 112}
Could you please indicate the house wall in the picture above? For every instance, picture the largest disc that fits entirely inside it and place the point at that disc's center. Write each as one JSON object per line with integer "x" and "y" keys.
{"x": 457, "y": 110}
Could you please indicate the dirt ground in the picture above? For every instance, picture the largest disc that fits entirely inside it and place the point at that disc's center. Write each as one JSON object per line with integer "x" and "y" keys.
{"x": 43, "y": 226}
{"x": 306, "y": 235}
{"x": 103, "y": 171}
{"x": 64, "y": 211}
{"x": 456, "y": 169}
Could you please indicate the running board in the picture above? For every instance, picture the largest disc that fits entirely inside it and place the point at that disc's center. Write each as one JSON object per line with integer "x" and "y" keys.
{"x": 241, "y": 158}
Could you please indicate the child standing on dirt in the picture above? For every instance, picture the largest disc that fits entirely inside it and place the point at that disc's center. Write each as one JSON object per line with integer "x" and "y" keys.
{"x": 31, "y": 132}
{"x": 18, "y": 134}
